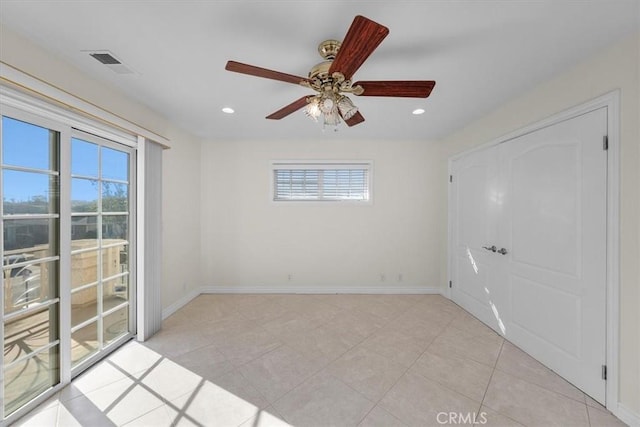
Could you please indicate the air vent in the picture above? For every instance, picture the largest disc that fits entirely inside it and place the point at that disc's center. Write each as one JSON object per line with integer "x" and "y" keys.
{"x": 108, "y": 59}
{"x": 105, "y": 58}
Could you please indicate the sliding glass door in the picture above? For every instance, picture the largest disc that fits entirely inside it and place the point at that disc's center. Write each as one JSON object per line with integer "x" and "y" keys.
{"x": 67, "y": 227}
{"x": 30, "y": 229}
{"x": 100, "y": 245}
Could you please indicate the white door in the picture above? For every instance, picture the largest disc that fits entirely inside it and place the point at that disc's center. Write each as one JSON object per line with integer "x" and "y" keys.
{"x": 548, "y": 213}
{"x": 476, "y": 205}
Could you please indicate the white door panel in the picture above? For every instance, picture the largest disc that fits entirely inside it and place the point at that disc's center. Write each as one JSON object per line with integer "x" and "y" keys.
{"x": 542, "y": 197}
{"x": 475, "y": 268}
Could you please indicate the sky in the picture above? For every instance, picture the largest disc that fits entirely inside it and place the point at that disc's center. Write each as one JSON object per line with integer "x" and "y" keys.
{"x": 28, "y": 146}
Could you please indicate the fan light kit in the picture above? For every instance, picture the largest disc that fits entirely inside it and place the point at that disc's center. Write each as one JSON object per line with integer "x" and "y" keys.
{"x": 331, "y": 79}
{"x": 228, "y": 110}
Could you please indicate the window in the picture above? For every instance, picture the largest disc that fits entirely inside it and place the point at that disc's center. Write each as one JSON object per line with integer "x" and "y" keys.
{"x": 321, "y": 181}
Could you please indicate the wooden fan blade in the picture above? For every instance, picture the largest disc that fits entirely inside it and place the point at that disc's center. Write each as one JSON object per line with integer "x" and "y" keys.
{"x": 361, "y": 40}
{"x": 291, "y": 108}
{"x": 252, "y": 70}
{"x": 407, "y": 89}
{"x": 355, "y": 119}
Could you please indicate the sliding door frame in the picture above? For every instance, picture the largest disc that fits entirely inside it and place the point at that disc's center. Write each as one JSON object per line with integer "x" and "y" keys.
{"x": 26, "y": 108}
{"x": 132, "y": 254}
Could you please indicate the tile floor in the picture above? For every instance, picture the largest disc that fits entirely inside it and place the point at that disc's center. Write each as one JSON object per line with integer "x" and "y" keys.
{"x": 320, "y": 360}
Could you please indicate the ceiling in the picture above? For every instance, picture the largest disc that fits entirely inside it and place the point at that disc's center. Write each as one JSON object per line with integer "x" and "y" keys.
{"x": 481, "y": 54}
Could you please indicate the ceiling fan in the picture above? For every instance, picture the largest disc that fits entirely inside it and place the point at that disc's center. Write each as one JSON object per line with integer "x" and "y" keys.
{"x": 331, "y": 79}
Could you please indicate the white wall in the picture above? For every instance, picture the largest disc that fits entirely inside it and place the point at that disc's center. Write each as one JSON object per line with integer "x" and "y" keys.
{"x": 181, "y": 163}
{"x": 181, "y": 220}
{"x": 617, "y": 67}
{"x": 252, "y": 243}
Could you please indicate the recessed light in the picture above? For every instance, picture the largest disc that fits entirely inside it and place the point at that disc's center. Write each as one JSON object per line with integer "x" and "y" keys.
{"x": 228, "y": 110}
{"x": 417, "y": 111}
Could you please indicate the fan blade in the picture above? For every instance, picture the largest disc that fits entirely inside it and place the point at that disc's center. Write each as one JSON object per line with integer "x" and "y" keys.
{"x": 407, "y": 89}
{"x": 291, "y": 108}
{"x": 252, "y": 70}
{"x": 361, "y": 40}
{"x": 355, "y": 119}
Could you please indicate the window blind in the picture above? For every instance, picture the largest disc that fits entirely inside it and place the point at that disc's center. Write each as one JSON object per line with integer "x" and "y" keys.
{"x": 321, "y": 182}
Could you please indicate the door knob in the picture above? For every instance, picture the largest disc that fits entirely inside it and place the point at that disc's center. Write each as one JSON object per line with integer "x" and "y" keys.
{"x": 502, "y": 251}
{"x": 492, "y": 248}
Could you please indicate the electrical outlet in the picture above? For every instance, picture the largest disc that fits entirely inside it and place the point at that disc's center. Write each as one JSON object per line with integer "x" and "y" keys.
{"x": 289, "y": 277}
{"x": 400, "y": 277}
{"x": 382, "y": 277}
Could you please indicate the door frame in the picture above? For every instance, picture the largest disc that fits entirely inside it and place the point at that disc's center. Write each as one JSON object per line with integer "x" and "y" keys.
{"x": 611, "y": 101}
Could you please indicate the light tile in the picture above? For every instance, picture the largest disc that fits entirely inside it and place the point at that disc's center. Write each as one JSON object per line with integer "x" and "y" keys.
{"x": 289, "y": 323}
{"x": 600, "y": 418}
{"x": 530, "y": 404}
{"x": 491, "y": 418}
{"x": 516, "y": 362}
{"x": 66, "y": 418}
{"x": 206, "y": 308}
{"x": 344, "y": 301}
{"x": 234, "y": 382}
{"x": 416, "y": 327}
{"x": 267, "y": 417}
{"x": 439, "y": 304}
{"x": 212, "y": 402}
{"x": 475, "y": 327}
{"x": 120, "y": 402}
{"x": 207, "y": 362}
{"x": 318, "y": 311}
{"x": 323, "y": 400}
{"x": 134, "y": 357}
{"x": 593, "y": 403}
{"x": 178, "y": 341}
{"x": 83, "y": 411}
{"x": 367, "y": 372}
{"x": 170, "y": 380}
{"x": 374, "y": 304}
{"x": 96, "y": 377}
{"x": 460, "y": 374}
{"x": 279, "y": 371}
{"x": 417, "y": 401}
{"x": 378, "y": 417}
{"x": 322, "y": 343}
{"x": 163, "y": 416}
{"x": 218, "y": 332}
{"x": 38, "y": 418}
{"x": 247, "y": 346}
{"x": 263, "y": 311}
{"x": 396, "y": 346}
{"x": 356, "y": 322}
{"x": 461, "y": 343}
{"x": 242, "y": 300}
{"x": 215, "y": 361}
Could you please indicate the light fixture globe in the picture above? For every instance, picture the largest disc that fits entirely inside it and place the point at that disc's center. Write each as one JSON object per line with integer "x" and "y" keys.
{"x": 346, "y": 107}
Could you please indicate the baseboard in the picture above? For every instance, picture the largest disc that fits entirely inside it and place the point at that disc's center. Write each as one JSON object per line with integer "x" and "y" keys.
{"x": 318, "y": 290}
{"x": 166, "y": 312}
{"x": 627, "y": 416}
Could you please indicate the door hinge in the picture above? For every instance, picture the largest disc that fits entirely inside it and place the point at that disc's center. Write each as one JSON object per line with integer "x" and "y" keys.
{"x": 450, "y": 284}
{"x": 605, "y": 142}
{"x": 604, "y": 372}
{"x": 450, "y": 178}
